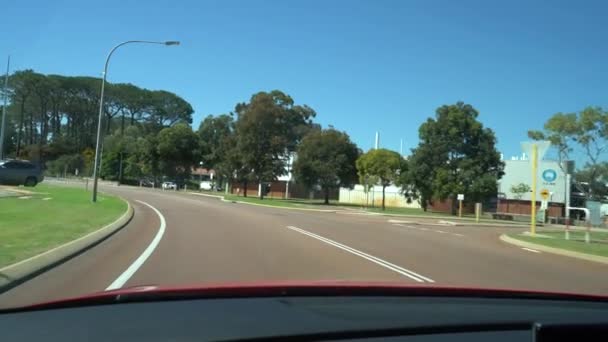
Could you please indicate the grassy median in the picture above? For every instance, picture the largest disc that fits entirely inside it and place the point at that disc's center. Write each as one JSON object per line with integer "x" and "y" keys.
{"x": 597, "y": 246}
{"x": 319, "y": 204}
{"x": 51, "y": 216}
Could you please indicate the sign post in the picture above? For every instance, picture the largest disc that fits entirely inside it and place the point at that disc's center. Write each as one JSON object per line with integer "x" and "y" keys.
{"x": 460, "y": 198}
{"x": 536, "y": 150}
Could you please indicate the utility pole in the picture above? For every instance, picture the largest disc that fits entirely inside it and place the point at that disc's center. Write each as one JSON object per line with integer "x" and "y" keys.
{"x": 8, "y": 63}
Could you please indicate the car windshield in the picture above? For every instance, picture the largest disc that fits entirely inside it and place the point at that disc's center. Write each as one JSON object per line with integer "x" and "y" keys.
{"x": 418, "y": 143}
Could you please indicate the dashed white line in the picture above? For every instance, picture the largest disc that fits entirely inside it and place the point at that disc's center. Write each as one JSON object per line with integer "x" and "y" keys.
{"x": 129, "y": 272}
{"x": 405, "y": 272}
{"x": 530, "y": 250}
{"x": 427, "y": 229}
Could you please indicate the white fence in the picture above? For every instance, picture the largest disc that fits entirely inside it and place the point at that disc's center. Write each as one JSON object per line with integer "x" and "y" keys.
{"x": 393, "y": 197}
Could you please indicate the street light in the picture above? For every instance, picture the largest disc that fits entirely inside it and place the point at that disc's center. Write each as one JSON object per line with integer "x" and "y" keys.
{"x": 103, "y": 83}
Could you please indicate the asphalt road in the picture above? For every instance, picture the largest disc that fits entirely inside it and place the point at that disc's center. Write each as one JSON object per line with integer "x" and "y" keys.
{"x": 184, "y": 239}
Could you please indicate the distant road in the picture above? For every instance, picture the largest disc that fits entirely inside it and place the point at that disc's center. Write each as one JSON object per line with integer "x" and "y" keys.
{"x": 181, "y": 239}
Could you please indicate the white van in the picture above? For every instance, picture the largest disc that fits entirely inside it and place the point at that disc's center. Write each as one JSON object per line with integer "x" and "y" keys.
{"x": 206, "y": 185}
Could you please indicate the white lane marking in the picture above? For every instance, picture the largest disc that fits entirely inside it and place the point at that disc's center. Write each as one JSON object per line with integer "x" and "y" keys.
{"x": 410, "y": 274}
{"x": 530, "y": 250}
{"x": 457, "y": 234}
{"x": 129, "y": 272}
{"x": 399, "y": 221}
{"x": 440, "y": 231}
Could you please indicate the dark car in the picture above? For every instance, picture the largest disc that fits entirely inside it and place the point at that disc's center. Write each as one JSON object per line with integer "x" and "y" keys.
{"x": 20, "y": 172}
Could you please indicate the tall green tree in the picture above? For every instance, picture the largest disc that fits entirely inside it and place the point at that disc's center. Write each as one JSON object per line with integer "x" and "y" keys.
{"x": 177, "y": 150}
{"x": 586, "y": 134}
{"x": 381, "y": 164}
{"x": 267, "y": 129}
{"x": 456, "y": 154}
{"x": 326, "y": 158}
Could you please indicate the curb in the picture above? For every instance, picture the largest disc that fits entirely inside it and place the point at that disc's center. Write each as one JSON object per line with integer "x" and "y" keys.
{"x": 459, "y": 221}
{"x": 553, "y": 250}
{"x": 206, "y": 195}
{"x": 15, "y": 274}
{"x": 221, "y": 198}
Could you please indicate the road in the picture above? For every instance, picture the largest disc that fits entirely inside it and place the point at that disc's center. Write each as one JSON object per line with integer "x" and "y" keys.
{"x": 185, "y": 239}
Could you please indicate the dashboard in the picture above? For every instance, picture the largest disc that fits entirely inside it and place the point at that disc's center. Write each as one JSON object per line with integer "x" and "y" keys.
{"x": 361, "y": 318}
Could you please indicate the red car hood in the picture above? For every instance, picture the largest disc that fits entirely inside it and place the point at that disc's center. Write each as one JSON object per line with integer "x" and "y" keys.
{"x": 294, "y": 289}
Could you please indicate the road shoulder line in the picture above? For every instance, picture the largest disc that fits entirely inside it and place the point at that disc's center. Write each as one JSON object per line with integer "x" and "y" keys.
{"x": 17, "y": 273}
{"x": 395, "y": 268}
{"x": 222, "y": 198}
{"x": 130, "y": 271}
{"x": 553, "y": 250}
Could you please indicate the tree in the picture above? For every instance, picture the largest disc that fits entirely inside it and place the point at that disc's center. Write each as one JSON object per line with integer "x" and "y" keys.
{"x": 519, "y": 190}
{"x": 326, "y": 158}
{"x": 167, "y": 109}
{"x": 595, "y": 177}
{"x": 50, "y": 116}
{"x": 456, "y": 155}
{"x": 586, "y": 133}
{"x": 267, "y": 129}
{"x": 381, "y": 164}
{"x": 177, "y": 150}
{"x": 214, "y": 133}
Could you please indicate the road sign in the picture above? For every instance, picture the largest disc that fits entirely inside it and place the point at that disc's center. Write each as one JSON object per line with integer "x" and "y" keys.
{"x": 460, "y": 197}
{"x": 541, "y": 148}
{"x": 544, "y": 193}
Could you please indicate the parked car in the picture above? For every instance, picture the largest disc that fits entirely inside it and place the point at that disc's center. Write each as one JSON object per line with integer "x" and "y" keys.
{"x": 20, "y": 172}
{"x": 206, "y": 185}
{"x": 169, "y": 186}
{"x": 146, "y": 182}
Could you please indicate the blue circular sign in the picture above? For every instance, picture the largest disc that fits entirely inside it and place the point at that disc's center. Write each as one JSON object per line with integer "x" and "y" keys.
{"x": 549, "y": 175}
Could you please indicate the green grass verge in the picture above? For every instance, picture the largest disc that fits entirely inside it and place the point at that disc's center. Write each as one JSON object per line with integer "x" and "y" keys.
{"x": 318, "y": 204}
{"x": 290, "y": 203}
{"x": 34, "y": 225}
{"x": 597, "y": 246}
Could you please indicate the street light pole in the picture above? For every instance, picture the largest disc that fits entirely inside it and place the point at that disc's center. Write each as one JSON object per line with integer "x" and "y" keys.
{"x": 8, "y": 63}
{"x": 100, "y": 118}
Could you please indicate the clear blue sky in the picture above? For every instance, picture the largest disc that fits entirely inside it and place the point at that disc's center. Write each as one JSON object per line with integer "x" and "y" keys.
{"x": 362, "y": 65}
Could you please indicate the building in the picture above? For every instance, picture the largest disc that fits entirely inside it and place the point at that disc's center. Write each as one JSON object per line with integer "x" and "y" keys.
{"x": 551, "y": 179}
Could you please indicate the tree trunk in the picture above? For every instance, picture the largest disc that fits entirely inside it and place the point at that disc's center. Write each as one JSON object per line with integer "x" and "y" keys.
{"x": 108, "y": 122}
{"x": 383, "y": 187}
{"x": 20, "y": 132}
{"x": 261, "y": 187}
{"x": 122, "y": 124}
{"x": 326, "y": 196}
{"x": 245, "y": 188}
{"x": 454, "y": 206}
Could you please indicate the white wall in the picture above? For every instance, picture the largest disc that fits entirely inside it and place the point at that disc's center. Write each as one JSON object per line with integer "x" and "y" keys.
{"x": 393, "y": 197}
{"x": 519, "y": 171}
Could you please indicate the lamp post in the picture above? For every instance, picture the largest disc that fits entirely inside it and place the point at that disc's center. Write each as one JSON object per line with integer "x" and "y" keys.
{"x": 3, "y": 123}
{"x": 103, "y": 83}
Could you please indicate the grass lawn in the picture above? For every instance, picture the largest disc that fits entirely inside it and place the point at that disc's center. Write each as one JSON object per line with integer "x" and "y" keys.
{"x": 318, "y": 204}
{"x": 290, "y": 203}
{"x": 598, "y": 245}
{"x": 53, "y": 215}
